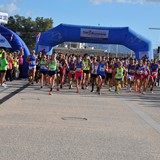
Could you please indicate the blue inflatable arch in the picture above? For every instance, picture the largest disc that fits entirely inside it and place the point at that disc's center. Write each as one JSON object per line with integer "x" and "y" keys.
{"x": 9, "y": 39}
{"x": 100, "y": 35}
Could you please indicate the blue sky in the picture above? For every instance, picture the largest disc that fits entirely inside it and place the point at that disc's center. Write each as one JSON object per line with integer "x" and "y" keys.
{"x": 137, "y": 14}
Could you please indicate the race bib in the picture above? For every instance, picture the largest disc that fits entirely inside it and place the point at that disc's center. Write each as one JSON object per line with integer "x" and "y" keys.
{"x": 119, "y": 75}
{"x": 31, "y": 62}
{"x": 43, "y": 67}
{"x": 52, "y": 68}
{"x": 71, "y": 72}
{"x": 131, "y": 71}
{"x": 102, "y": 69}
{"x": 139, "y": 72}
{"x": 60, "y": 65}
{"x": 78, "y": 69}
{"x": 154, "y": 73}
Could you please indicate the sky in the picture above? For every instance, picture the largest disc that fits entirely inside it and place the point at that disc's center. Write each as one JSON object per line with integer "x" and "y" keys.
{"x": 139, "y": 15}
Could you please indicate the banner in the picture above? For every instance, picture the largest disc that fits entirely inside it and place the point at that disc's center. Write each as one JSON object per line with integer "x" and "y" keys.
{"x": 4, "y": 42}
{"x": 94, "y": 34}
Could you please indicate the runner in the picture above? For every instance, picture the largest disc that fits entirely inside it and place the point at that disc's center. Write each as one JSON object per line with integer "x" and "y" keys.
{"x": 62, "y": 67}
{"x": 94, "y": 68}
{"x": 31, "y": 59}
{"x": 109, "y": 74}
{"x": 138, "y": 76}
{"x": 131, "y": 73}
{"x": 43, "y": 70}
{"x": 52, "y": 66}
{"x": 86, "y": 72}
{"x": 101, "y": 74}
{"x": 145, "y": 77}
{"x": 154, "y": 74}
{"x": 125, "y": 67}
{"x": 118, "y": 76}
{"x": 79, "y": 72}
{"x": 71, "y": 74}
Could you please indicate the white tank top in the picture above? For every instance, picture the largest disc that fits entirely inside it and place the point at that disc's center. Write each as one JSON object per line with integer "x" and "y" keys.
{"x": 94, "y": 68}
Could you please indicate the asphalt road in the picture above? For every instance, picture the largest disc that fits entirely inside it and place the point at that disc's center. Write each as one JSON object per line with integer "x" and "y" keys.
{"x": 84, "y": 126}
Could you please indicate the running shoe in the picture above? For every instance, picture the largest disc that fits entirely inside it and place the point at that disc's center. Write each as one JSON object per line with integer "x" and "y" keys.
{"x": 99, "y": 93}
{"x": 119, "y": 85}
{"x": 4, "y": 85}
{"x": 50, "y": 92}
{"x": 110, "y": 89}
{"x": 143, "y": 92}
{"x": 118, "y": 92}
{"x": 135, "y": 89}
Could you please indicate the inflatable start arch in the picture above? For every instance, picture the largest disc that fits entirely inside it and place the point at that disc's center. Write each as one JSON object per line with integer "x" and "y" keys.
{"x": 9, "y": 39}
{"x": 100, "y": 35}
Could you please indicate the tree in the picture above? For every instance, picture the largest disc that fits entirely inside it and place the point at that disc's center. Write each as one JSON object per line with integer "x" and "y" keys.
{"x": 28, "y": 29}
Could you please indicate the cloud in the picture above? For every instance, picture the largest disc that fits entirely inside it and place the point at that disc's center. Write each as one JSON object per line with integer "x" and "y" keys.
{"x": 124, "y": 1}
{"x": 15, "y": 1}
{"x": 9, "y": 8}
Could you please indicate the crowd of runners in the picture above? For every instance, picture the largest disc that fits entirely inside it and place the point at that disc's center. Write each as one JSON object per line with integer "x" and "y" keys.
{"x": 94, "y": 71}
{"x": 83, "y": 71}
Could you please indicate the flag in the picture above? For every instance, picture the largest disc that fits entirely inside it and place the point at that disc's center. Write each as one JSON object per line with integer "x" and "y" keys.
{"x": 38, "y": 36}
{"x": 11, "y": 39}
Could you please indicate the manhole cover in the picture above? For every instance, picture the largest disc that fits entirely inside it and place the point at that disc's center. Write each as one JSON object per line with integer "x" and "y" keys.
{"x": 74, "y": 118}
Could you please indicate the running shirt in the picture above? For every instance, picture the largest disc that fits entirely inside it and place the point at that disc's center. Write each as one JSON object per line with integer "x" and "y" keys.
{"x": 154, "y": 69}
{"x": 102, "y": 68}
{"x": 32, "y": 60}
{"x": 146, "y": 71}
{"x": 71, "y": 67}
{"x": 125, "y": 66}
{"x": 110, "y": 69}
{"x": 139, "y": 70}
{"x": 3, "y": 64}
{"x": 94, "y": 68}
{"x": 52, "y": 66}
{"x": 87, "y": 67}
{"x": 79, "y": 66}
{"x": 115, "y": 65}
{"x": 131, "y": 70}
{"x": 43, "y": 65}
{"x": 62, "y": 64}
{"x": 119, "y": 73}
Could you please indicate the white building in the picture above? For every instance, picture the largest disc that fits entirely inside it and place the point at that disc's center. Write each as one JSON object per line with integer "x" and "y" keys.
{"x": 3, "y": 18}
